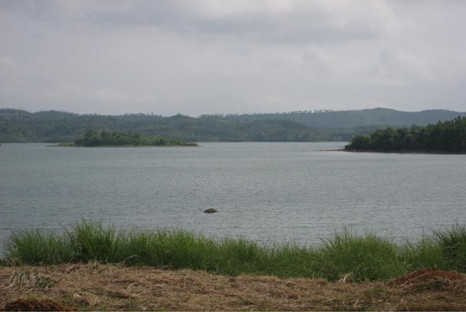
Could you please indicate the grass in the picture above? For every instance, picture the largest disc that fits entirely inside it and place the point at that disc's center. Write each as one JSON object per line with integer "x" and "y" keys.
{"x": 345, "y": 256}
{"x": 36, "y": 247}
{"x": 359, "y": 258}
{"x": 91, "y": 241}
{"x": 453, "y": 247}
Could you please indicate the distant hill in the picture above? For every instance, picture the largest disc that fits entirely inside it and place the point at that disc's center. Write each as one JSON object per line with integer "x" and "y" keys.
{"x": 356, "y": 118}
{"x": 55, "y": 126}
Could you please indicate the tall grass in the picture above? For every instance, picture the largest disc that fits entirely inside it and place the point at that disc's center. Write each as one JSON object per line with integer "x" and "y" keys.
{"x": 359, "y": 257}
{"x": 36, "y": 247}
{"x": 422, "y": 254}
{"x": 354, "y": 257}
{"x": 93, "y": 241}
{"x": 453, "y": 246}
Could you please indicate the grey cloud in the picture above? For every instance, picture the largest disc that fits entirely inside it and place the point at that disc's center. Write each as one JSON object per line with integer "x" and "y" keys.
{"x": 267, "y": 31}
{"x": 297, "y": 26}
{"x": 201, "y": 56}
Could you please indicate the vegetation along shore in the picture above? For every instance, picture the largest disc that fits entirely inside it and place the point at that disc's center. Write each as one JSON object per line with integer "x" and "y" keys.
{"x": 92, "y": 266}
{"x": 302, "y": 126}
{"x": 360, "y": 258}
{"x": 443, "y": 137}
{"x": 111, "y": 138}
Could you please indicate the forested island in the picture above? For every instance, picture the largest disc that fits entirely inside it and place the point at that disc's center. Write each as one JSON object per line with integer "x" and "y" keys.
{"x": 443, "y": 137}
{"x": 112, "y": 138}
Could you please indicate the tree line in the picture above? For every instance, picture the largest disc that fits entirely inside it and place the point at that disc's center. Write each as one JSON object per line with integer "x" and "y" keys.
{"x": 112, "y": 138}
{"x": 53, "y": 126}
{"x": 444, "y": 136}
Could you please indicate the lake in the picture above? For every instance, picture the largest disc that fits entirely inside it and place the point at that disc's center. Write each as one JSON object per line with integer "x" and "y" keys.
{"x": 268, "y": 192}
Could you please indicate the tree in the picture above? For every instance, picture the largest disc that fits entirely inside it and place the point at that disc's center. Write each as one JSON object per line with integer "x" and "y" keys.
{"x": 446, "y": 136}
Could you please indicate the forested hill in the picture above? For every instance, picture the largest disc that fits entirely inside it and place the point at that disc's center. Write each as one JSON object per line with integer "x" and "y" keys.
{"x": 54, "y": 126}
{"x": 356, "y": 118}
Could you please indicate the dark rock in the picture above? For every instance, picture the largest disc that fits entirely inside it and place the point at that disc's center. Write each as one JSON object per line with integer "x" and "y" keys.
{"x": 210, "y": 210}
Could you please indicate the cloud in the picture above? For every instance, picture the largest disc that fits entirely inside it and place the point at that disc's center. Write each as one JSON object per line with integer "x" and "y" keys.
{"x": 262, "y": 20}
{"x": 207, "y": 56}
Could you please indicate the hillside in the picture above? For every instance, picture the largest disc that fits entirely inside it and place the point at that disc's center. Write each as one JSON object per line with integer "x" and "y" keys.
{"x": 356, "y": 118}
{"x": 54, "y": 126}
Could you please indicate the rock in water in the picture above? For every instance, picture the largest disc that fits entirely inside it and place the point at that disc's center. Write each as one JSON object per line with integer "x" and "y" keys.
{"x": 210, "y": 210}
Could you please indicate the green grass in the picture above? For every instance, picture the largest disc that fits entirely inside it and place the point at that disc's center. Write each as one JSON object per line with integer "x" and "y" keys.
{"x": 353, "y": 257}
{"x": 94, "y": 242}
{"x": 453, "y": 247}
{"x": 36, "y": 247}
{"x": 359, "y": 258}
{"x": 422, "y": 254}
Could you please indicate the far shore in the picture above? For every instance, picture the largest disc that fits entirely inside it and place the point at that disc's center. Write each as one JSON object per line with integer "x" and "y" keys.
{"x": 405, "y": 152}
{"x": 394, "y": 152}
{"x": 67, "y": 144}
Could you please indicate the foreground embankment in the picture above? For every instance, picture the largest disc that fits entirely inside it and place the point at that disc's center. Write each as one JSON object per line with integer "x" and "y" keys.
{"x": 355, "y": 257}
{"x": 96, "y": 286}
{"x": 93, "y": 267}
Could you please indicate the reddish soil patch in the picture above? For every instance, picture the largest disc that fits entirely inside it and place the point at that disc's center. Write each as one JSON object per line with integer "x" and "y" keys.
{"x": 34, "y": 305}
{"x": 428, "y": 275}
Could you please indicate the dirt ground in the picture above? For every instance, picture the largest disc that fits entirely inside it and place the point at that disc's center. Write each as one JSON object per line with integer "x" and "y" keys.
{"x": 109, "y": 287}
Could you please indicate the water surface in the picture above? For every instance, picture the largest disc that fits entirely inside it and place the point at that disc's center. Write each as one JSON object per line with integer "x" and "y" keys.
{"x": 277, "y": 192}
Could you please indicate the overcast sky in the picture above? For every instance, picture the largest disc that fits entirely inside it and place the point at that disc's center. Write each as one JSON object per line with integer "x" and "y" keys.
{"x": 240, "y": 56}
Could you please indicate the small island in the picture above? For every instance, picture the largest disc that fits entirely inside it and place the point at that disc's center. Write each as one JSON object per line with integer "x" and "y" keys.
{"x": 443, "y": 137}
{"x": 111, "y": 138}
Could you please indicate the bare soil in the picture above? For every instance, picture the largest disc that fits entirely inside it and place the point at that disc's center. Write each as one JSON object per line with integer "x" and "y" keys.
{"x": 429, "y": 275}
{"x": 108, "y": 287}
{"x": 34, "y": 305}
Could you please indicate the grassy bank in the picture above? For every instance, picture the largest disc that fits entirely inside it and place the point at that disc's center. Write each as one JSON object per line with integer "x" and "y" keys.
{"x": 348, "y": 256}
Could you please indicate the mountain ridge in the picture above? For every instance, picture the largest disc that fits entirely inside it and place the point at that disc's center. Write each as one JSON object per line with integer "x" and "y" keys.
{"x": 58, "y": 126}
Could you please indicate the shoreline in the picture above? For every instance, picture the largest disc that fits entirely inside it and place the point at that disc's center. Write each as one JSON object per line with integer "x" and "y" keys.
{"x": 187, "y": 144}
{"x": 360, "y": 257}
{"x": 405, "y": 152}
{"x": 393, "y": 152}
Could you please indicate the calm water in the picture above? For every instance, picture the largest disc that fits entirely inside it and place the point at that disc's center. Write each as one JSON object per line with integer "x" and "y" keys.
{"x": 277, "y": 192}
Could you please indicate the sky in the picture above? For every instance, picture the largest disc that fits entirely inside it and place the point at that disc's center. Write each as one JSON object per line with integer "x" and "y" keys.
{"x": 198, "y": 57}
